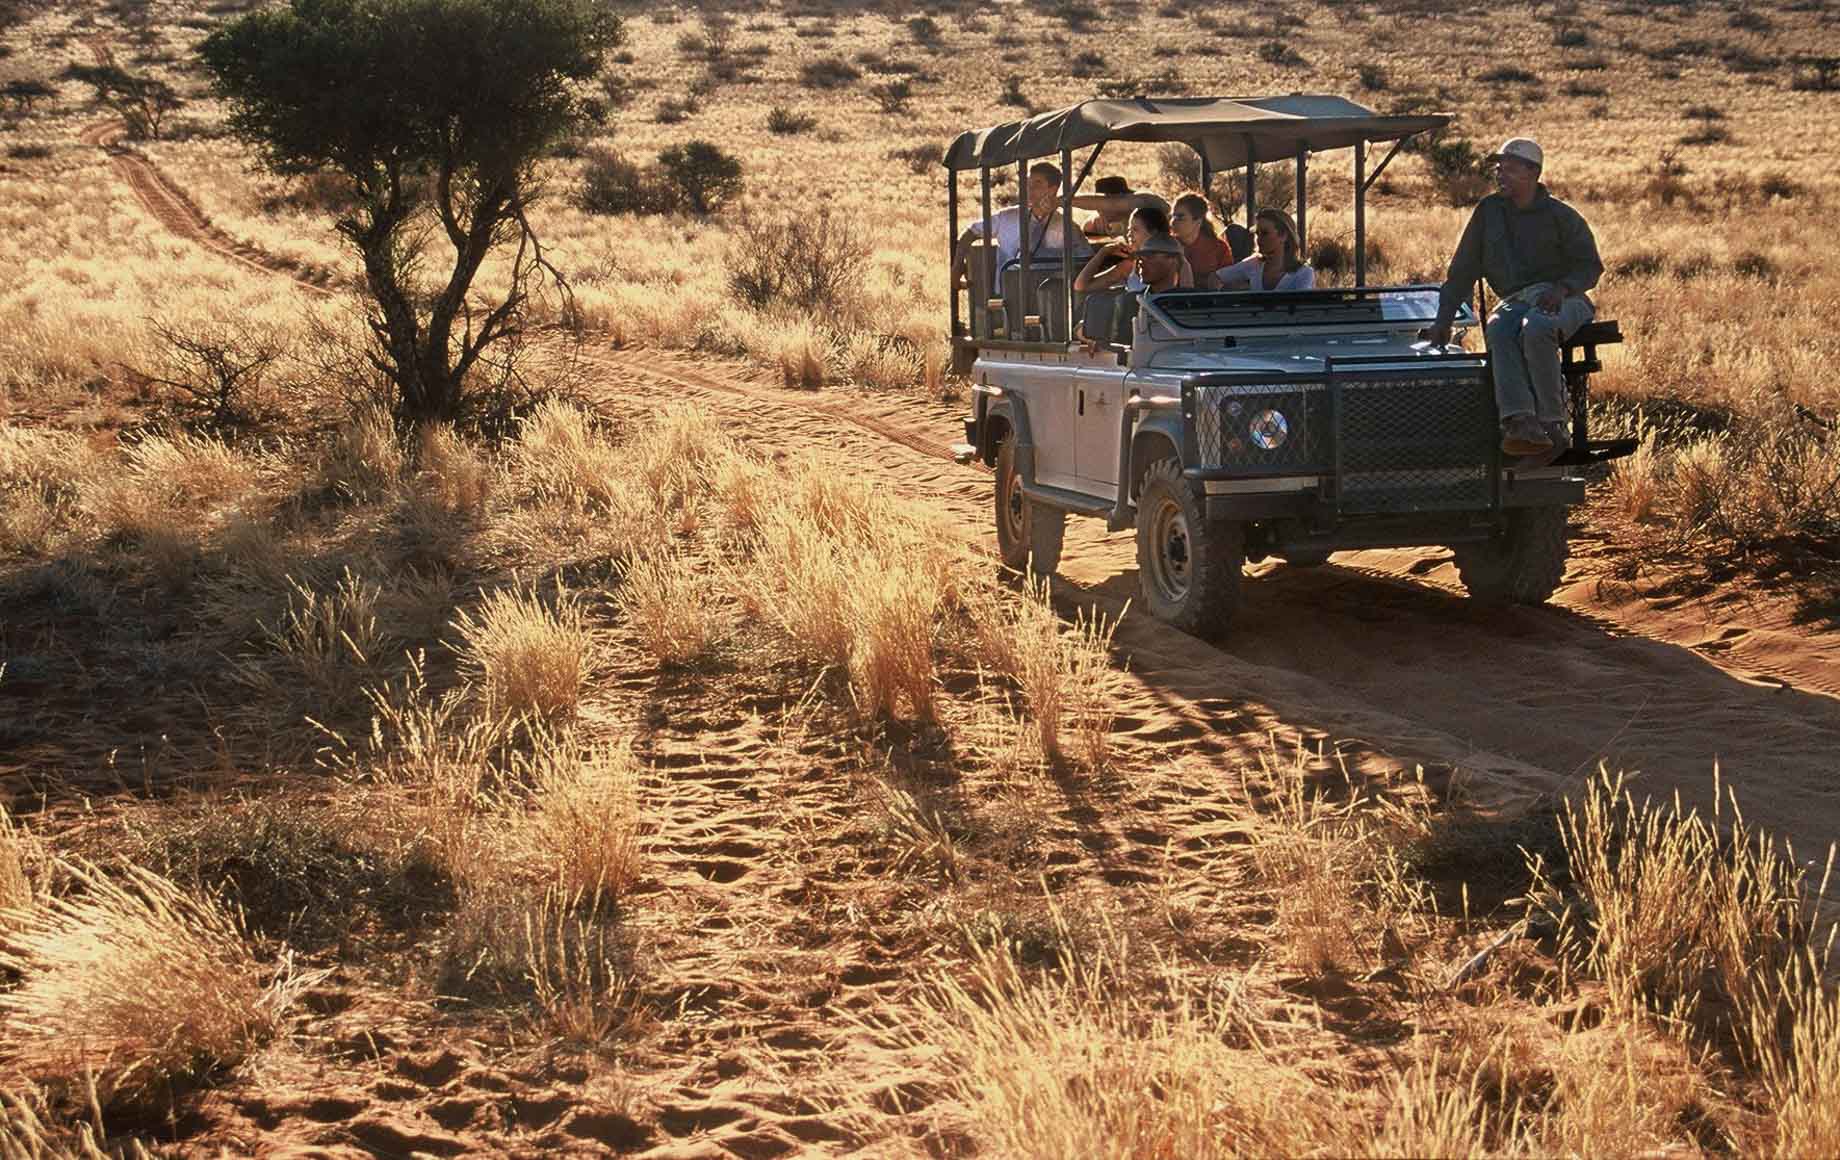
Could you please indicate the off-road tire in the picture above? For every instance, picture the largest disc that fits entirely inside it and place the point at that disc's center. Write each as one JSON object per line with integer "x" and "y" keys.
{"x": 1522, "y": 565}
{"x": 1188, "y": 567}
{"x": 1311, "y": 558}
{"x": 1028, "y": 534}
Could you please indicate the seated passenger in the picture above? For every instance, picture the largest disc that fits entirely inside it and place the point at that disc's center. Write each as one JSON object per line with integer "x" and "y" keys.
{"x": 1143, "y": 263}
{"x": 1152, "y": 261}
{"x": 1048, "y": 231}
{"x": 1204, "y": 247}
{"x": 1115, "y": 201}
{"x": 1099, "y": 225}
{"x": 1278, "y": 265}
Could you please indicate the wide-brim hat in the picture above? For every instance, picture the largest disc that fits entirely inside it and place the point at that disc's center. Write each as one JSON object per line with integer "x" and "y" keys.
{"x": 1160, "y": 244}
{"x": 1521, "y": 149}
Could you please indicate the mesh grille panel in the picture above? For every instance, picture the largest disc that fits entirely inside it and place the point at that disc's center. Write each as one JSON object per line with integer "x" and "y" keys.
{"x": 1416, "y": 444}
{"x": 1224, "y": 417}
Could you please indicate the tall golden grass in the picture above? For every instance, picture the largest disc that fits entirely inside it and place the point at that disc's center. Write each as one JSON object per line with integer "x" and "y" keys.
{"x": 583, "y": 825}
{"x": 135, "y": 984}
{"x": 15, "y": 886}
{"x": 529, "y": 656}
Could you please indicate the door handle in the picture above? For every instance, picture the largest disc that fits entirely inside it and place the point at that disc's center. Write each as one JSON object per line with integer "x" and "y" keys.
{"x": 1082, "y": 409}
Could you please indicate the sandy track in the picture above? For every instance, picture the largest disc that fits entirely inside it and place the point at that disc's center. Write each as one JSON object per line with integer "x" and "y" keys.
{"x": 1381, "y": 652}
{"x": 174, "y": 209}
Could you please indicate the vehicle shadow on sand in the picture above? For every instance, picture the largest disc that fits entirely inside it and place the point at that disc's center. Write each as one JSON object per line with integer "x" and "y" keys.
{"x": 1531, "y": 698}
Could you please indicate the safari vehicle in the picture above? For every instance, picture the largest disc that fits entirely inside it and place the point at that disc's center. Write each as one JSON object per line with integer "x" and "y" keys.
{"x": 1228, "y": 427}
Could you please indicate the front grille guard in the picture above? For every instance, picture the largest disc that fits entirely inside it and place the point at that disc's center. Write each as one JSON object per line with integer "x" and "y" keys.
{"x": 1433, "y": 446}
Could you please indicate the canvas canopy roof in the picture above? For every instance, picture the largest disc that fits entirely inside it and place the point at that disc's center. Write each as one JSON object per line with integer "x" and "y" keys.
{"x": 1228, "y": 131}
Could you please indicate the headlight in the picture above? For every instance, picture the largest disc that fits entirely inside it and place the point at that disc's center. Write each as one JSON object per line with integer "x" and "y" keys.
{"x": 1269, "y": 429}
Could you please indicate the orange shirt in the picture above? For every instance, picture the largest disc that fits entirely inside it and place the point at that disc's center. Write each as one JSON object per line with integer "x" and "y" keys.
{"x": 1207, "y": 255}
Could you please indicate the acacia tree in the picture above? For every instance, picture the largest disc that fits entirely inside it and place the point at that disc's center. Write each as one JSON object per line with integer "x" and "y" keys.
{"x": 435, "y": 113}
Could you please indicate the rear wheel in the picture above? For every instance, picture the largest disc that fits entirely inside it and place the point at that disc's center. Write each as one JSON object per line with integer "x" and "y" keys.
{"x": 1028, "y": 534}
{"x": 1188, "y": 567}
{"x": 1522, "y": 565}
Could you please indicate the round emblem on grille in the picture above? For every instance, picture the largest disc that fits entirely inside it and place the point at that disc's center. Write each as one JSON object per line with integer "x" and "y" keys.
{"x": 1269, "y": 430}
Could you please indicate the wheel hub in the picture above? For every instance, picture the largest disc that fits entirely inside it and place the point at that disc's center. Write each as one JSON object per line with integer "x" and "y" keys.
{"x": 1012, "y": 504}
{"x": 1170, "y": 562}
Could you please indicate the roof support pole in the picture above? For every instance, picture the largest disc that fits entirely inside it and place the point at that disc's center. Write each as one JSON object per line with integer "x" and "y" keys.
{"x": 980, "y": 302}
{"x": 1252, "y": 184}
{"x": 952, "y": 242}
{"x": 1092, "y": 159}
{"x": 1207, "y": 174}
{"x": 1019, "y": 327}
{"x": 1360, "y": 212}
{"x": 1065, "y": 305}
{"x": 1303, "y": 200}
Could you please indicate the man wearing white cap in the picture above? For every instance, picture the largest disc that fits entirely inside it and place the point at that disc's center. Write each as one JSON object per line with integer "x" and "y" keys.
{"x": 1539, "y": 257}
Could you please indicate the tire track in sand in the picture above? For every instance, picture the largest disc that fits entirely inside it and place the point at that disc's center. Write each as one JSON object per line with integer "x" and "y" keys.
{"x": 173, "y": 208}
{"x": 1382, "y": 653}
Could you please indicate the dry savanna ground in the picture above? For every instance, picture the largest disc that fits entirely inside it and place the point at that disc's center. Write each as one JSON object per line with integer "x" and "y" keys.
{"x": 659, "y": 764}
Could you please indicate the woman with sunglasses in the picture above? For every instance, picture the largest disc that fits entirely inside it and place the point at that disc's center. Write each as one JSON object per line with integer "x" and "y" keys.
{"x": 1278, "y": 265}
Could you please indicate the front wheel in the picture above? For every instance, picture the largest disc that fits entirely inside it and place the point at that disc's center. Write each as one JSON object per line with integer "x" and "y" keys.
{"x": 1028, "y": 534}
{"x": 1522, "y": 565}
{"x": 1188, "y": 567}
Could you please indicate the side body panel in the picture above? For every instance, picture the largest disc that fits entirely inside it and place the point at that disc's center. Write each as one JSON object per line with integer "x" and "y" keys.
{"x": 1099, "y": 411}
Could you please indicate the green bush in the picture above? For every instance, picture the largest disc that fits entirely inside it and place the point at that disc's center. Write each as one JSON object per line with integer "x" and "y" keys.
{"x": 612, "y": 184}
{"x": 701, "y": 175}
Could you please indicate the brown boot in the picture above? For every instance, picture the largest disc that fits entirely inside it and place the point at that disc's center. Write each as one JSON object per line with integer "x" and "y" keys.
{"x": 1523, "y": 435}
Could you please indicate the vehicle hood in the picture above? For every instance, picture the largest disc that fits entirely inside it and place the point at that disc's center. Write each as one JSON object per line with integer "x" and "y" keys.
{"x": 1281, "y": 356}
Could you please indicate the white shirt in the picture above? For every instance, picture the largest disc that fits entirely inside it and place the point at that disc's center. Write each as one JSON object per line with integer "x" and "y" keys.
{"x": 1007, "y": 224}
{"x": 1253, "y": 269}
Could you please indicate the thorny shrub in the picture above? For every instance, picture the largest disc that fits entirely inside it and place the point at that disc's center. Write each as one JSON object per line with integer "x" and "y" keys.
{"x": 807, "y": 261}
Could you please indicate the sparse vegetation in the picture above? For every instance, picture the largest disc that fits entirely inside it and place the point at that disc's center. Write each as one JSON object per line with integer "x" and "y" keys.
{"x": 302, "y": 84}
{"x": 786, "y": 123}
{"x": 668, "y": 709}
{"x": 828, "y": 72}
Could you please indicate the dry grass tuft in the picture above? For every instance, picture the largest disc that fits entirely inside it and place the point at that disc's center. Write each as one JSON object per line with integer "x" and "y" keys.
{"x": 435, "y": 763}
{"x": 135, "y": 986}
{"x": 583, "y": 825}
{"x": 673, "y": 605}
{"x": 15, "y": 886}
{"x": 1427, "y": 1116}
{"x": 1314, "y": 854}
{"x": 570, "y": 963}
{"x": 364, "y": 459}
{"x": 558, "y": 454}
{"x": 529, "y": 657}
{"x": 1671, "y": 911}
{"x": 454, "y": 479}
{"x": 1066, "y": 677}
{"x": 894, "y": 616}
{"x": 328, "y": 636}
{"x": 1063, "y": 1064}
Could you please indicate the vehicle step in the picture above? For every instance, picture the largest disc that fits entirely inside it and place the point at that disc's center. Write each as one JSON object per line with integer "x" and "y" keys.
{"x": 1596, "y": 451}
{"x": 1076, "y": 502}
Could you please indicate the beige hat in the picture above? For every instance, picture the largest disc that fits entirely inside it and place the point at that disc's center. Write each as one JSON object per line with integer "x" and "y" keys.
{"x": 1521, "y": 149}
